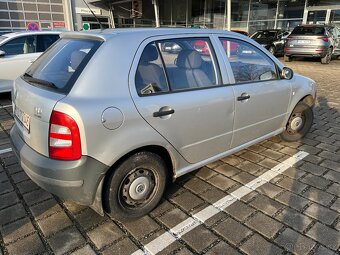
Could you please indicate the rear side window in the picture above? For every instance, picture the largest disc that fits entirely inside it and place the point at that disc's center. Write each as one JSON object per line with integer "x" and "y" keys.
{"x": 308, "y": 31}
{"x": 59, "y": 67}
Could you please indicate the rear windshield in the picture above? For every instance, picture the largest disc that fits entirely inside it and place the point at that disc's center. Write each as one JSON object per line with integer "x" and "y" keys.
{"x": 59, "y": 67}
{"x": 308, "y": 31}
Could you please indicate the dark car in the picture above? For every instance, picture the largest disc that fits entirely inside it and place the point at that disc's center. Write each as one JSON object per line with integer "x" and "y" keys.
{"x": 240, "y": 32}
{"x": 273, "y": 40}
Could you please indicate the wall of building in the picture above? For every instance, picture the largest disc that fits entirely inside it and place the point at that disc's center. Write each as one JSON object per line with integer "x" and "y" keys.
{"x": 48, "y": 14}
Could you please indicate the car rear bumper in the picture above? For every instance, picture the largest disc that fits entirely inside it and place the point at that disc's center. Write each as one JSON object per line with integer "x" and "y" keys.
{"x": 76, "y": 180}
{"x": 305, "y": 52}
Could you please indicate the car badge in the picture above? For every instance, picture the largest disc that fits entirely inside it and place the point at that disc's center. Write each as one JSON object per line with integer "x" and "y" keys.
{"x": 37, "y": 112}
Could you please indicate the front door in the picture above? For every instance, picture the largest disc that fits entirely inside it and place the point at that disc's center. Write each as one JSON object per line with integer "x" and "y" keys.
{"x": 261, "y": 98}
{"x": 177, "y": 89}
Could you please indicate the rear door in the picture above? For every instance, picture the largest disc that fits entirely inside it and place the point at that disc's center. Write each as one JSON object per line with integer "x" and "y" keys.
{"x": 261, "y": 97}
{"x": 182, "y": 95}
{"x": 21, "y": 52}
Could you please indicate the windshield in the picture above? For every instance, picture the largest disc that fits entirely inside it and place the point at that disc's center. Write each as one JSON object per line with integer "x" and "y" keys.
{"x": 308, "y": 31}
{"x": 59, "y": 67}
{"x": 264, "y": 35}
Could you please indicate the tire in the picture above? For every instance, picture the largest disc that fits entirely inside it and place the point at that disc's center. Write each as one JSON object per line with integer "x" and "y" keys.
{"x": 299, "y": 123}
{"x": 272, "y": 50}
{"x": 287, "y": 58}
{"x": 145, "y": 171}
{"x": 327, "y": 59}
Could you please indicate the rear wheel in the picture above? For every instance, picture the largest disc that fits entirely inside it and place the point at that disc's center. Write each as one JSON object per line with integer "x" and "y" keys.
{"x": 327, "y": 59}
{"x": 136, "y": 186}
{"x": 287, "y": 58}
{"x": 299, "y": 123}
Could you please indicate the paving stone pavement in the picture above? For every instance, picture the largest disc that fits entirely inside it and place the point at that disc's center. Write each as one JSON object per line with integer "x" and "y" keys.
{"x": 297, "y": 212}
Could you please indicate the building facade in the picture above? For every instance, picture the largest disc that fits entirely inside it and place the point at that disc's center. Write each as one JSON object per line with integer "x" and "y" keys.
{"x": 45, "y": 14}
{"x": 247, "y": 15}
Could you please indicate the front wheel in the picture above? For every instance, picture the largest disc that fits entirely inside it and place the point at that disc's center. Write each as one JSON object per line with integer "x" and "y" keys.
{"x": 299, "y": 123}
{"x": 136, "y": 186}
{"x": 272, "y": 50}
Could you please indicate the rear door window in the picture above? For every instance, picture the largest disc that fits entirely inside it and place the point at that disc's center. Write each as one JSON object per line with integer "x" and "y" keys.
{"x": 175, "y": 65}
{"x": 59, "y": 67}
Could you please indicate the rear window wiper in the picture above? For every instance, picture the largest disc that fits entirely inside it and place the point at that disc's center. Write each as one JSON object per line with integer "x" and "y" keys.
{"x": 30, "y": 79}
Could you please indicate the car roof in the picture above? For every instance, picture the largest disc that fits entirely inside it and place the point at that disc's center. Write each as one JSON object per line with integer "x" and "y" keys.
{"x": 16, "y": 34}
{"x": 270, "y": 30}
{"x": 147, "y": 32}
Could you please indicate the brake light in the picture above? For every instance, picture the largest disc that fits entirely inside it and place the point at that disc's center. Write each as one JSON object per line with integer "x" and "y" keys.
{"x": 64, "y": 137}
{"x": 325, "y": 39}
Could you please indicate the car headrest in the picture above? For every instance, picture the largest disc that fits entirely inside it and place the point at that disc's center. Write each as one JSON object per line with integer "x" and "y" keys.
{"x": 76, "y": 58}
{"x": 189, "y": 59}
{"x": 150, "y": 53}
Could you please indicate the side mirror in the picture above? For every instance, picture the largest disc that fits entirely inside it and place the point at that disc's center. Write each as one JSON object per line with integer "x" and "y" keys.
{"x": 2, "y": 53}
{"x": 287, "y": 73}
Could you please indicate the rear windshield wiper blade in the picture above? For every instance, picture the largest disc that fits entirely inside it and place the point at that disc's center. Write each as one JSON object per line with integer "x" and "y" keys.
{"x": 27, "y": 75}
{"x": 37, "y": 81}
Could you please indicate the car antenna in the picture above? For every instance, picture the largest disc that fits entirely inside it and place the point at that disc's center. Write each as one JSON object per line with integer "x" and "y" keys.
{"x": 94, "y": 15}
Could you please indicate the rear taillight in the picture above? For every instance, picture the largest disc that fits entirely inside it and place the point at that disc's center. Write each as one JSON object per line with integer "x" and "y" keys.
{"x": 325, "y": 39}
{"x": 64, "y": 137}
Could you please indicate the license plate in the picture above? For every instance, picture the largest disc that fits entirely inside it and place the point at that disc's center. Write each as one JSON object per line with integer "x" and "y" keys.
{"x": 23, "y": 117}
{"x": 303, "y": 41}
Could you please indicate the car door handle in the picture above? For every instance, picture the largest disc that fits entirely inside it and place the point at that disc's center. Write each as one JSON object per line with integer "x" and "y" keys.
{"x": 163, "y": 112}
{"x": 31, "y": 61}
{"x": 243, "y": 97}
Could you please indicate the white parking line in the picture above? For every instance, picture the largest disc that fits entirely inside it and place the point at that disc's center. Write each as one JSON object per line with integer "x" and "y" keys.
{"x": 5, "y": 150}
{"x": 164, "y": 240}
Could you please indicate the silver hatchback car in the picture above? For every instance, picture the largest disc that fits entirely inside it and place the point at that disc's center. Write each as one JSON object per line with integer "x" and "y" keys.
{"x": 107, "y": 118}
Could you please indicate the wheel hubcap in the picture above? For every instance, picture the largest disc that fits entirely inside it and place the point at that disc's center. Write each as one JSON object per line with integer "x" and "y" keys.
{"x": 137, "y": 188}
{"x": 296, "y": 123}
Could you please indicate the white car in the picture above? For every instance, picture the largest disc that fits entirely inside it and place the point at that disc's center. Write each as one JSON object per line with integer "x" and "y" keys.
{"x": 18, "y": 51}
